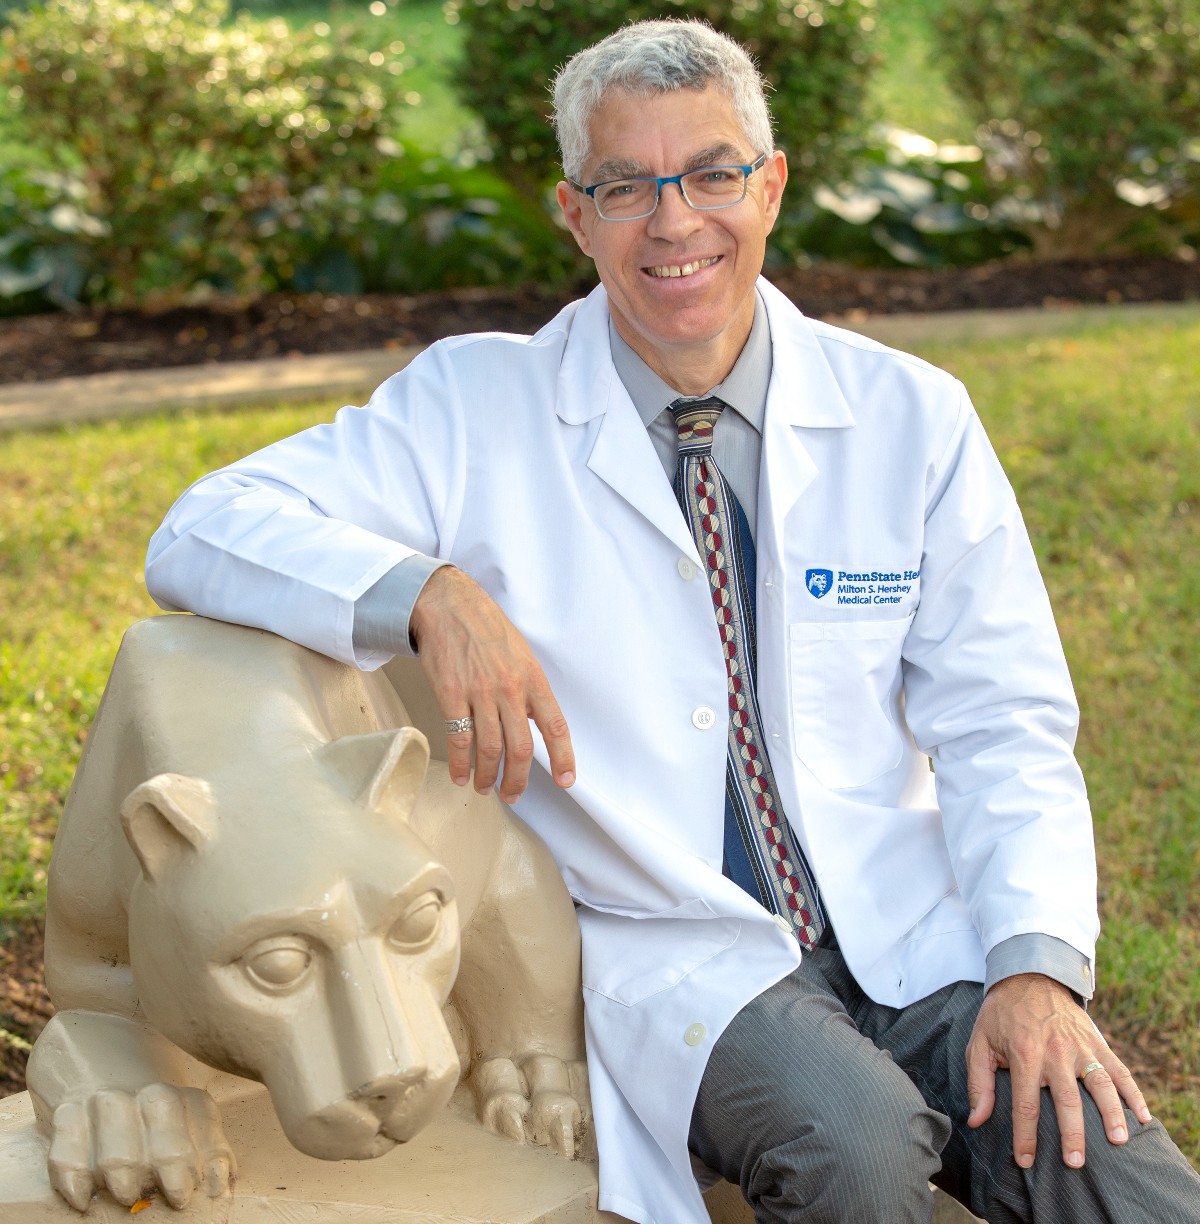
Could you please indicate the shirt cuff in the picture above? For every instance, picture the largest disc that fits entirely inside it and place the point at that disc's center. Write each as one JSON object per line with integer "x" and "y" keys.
{"x": 382, "y": 611}
{"x": 1038, "y": 953}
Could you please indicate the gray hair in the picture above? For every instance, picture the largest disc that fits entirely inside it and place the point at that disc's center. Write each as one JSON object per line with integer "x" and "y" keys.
{"x": 655, "y": 57}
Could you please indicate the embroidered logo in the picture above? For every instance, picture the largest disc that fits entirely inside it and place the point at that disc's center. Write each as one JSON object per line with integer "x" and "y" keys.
{"x": 819, "y": 582}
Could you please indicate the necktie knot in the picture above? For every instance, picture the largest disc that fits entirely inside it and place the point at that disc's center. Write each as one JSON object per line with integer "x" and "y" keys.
{"x": 696, "y": 419}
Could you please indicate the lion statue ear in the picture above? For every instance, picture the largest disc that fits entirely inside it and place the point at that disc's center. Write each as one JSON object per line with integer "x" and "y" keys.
{"x": 383, "y": 770}
{"x": 165, "y": 816}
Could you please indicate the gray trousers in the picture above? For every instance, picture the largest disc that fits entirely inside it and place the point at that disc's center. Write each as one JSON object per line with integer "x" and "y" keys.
{"x": 824, "y": 1106}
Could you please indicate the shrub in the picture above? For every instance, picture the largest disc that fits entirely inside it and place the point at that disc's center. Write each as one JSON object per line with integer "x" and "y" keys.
{"x": 1090, "y": 109}
{"x": 815, "y": 53}
{"x": 428, "y": 223}
{"x": 180, "y": 147}
{"x": 906, "y": 201}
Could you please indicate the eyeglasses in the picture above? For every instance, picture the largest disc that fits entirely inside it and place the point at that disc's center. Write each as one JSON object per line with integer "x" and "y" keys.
{"x": 631, "y": 199}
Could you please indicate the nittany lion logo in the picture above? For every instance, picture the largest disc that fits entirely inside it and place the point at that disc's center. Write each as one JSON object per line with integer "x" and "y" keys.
{"x": 819, "y": 582}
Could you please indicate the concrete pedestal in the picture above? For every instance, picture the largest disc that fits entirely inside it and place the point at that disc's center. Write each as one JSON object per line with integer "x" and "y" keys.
{"x": 453, "y": 1172}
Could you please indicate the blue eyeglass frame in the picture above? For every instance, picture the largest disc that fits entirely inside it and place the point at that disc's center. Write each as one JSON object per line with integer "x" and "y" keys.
{"x": 677, "y": 179}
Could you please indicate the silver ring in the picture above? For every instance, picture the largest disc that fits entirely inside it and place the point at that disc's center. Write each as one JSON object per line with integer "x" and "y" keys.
{"x": 456, "y": 726}
{"x": 1092, "y": 1066}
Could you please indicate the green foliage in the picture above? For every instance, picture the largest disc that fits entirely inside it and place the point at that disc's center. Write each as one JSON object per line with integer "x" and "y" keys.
{"x": 1091, "y": 109}
{"x": 816, "y": 54}
{"x": 253, "y": 159}
{"x": 908, "y": 89}
{"x": 179, "y": 146}
{"x": 29, "y": 204}
{"x": 906, "y": 201}
{"x": 427, "y": 223}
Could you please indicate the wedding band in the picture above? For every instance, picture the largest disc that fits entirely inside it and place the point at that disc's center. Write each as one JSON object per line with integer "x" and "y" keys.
{"x": 456, "y": 726}
{"x": 1092, "y": 1066}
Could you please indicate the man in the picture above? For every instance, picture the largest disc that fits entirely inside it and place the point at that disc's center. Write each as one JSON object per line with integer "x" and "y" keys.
{"x": 770, "y": 896}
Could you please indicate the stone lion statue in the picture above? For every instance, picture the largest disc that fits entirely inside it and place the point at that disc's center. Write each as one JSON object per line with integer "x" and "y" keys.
{"x": 260, "y": 873}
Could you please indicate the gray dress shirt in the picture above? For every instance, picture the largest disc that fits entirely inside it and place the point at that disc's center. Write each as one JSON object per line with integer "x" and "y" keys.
{"x": 381, "y": 614}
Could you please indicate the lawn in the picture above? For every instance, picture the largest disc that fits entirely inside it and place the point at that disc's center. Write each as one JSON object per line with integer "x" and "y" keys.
{"x": 1098, "y": 430}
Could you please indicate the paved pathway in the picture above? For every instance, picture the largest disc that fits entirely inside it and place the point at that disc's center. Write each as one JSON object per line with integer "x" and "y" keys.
{"x": 60, "y": 401}
{"x": 351, "y": 377}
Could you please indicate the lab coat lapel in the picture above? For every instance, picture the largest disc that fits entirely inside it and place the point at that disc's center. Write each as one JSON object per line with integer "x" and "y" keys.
{"x": 622, "y": 455}
{"x": 804, "y": 394}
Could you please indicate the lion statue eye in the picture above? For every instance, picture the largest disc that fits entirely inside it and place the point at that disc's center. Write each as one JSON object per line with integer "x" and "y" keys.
{"x": 278, "y": 963}
{"x": 419, "y": 923}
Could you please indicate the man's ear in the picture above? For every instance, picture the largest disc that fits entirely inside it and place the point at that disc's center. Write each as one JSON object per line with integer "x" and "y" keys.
{"x": 166, "y": 816}
{"x": 775, "y": 175}
{"x": 572, "y": 204}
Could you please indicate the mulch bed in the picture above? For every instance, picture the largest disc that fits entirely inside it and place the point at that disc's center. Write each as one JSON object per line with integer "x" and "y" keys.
{"x": 39, "y": 347}
{"x": 24, "y": 1004}
{"x": 92, "y": 341}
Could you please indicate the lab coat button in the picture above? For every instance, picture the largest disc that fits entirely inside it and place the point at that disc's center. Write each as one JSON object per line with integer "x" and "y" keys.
{"x": 782, "y": 923}
{"x": 703, "y": 717}
{"x": 686, "y": 568}
{"x": 694, "y": 1034}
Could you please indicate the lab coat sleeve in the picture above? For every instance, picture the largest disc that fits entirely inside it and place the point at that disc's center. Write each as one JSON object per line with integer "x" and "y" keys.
{"x": 288, "y": 538}
{"x": 989, "y": 698}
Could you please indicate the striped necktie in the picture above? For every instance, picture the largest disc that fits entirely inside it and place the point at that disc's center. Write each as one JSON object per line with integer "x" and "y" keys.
{"x": 761, "y": 851}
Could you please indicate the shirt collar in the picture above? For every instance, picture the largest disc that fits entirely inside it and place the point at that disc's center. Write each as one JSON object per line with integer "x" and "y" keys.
{"x": 744, "y": 390}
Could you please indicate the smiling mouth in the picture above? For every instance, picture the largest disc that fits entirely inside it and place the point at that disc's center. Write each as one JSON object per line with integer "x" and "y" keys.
{"x": 665, "y": 271}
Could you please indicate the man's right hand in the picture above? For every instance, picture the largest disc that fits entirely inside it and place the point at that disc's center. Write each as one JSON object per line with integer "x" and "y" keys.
{"x": 478, "y": 664}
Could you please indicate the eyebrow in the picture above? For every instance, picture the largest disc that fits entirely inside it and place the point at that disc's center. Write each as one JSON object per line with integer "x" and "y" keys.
{"x": 714, "y": 155}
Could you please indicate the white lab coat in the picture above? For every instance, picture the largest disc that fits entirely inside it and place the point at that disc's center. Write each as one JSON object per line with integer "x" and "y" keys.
{"x": 524, "y": 462}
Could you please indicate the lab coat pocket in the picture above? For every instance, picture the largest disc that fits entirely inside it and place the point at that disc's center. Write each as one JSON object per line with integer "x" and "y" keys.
{"x": 845, "y": 690}
{"x": 629, "y": 959}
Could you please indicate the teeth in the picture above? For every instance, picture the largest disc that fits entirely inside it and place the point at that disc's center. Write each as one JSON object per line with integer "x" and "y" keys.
{"x": 666, "y": 270}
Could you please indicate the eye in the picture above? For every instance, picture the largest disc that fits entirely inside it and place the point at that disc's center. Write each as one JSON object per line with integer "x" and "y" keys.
{"x": 419, "y": 923}
{"x": 619, "y": 190}
{"x": 279, "y": 962}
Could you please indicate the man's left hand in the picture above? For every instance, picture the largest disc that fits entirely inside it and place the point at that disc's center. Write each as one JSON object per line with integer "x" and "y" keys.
{"x": 1032, "y": 1025}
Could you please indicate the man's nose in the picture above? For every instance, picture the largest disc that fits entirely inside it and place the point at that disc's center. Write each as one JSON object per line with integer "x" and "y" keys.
{"x": 674, "y": 216}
